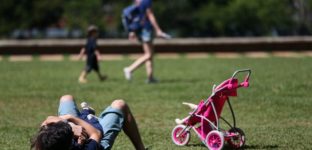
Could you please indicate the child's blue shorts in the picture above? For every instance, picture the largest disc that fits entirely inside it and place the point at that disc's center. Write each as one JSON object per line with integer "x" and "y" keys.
{"x": 111, "y": 120}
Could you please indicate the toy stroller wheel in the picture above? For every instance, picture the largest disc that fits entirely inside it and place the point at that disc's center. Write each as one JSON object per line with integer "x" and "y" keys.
{"x": 237, "y": 141}
{"x": 179, "y": 138}
{"x": 215, "y": 140}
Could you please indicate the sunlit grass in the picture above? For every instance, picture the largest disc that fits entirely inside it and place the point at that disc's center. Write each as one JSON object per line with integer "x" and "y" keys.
{"x": 275, "y": 112}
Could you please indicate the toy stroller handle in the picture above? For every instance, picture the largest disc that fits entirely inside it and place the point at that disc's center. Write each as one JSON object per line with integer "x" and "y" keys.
{"x": 245, "y": 83}
{"x": 240, "y": 71}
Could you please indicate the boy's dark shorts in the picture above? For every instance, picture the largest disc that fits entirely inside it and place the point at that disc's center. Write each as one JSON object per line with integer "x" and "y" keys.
{"x": 92, "y": 64}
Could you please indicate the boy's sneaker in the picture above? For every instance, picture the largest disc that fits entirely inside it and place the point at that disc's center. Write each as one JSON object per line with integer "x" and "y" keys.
{"x": 151, "y": 81}
{"x": 86, "y": 106}
{"x": 103, "y": 77}
{"x": 127, "y": 73}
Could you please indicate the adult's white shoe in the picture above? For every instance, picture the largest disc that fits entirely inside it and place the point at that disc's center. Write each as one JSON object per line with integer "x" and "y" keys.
{"x": 127, "y": 74}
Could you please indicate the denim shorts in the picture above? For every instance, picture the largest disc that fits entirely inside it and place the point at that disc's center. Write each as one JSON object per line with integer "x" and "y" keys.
{"x": 111, "y": 120}
{"x": 145, "y": 35}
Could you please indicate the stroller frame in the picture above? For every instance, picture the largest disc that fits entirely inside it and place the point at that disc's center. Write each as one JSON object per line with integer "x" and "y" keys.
{"x": 201, "y": 118}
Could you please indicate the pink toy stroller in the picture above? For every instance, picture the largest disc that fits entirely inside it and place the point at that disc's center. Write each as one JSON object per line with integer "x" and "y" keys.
{"x": 204, "y": 120}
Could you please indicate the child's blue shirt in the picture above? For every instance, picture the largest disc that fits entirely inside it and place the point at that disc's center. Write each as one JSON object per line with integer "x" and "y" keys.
{"x": 90, "y": 47}
{"x": 93, "y": 121}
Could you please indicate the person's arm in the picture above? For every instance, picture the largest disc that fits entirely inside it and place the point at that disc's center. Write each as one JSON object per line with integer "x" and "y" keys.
{"x": 91, "y": 131}
{"x": 151, "y": 17}
{"x": 82, "y": 52}
{"x": 77, "y": 129}
{"x": 51, "y": 119}
{"x": 98, "y": 54}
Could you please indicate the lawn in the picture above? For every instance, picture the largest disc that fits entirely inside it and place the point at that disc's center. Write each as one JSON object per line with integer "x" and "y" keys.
{"x": 275, "y": 112}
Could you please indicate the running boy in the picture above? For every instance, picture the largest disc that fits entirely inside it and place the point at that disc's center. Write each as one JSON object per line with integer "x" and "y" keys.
{"x": 140, "y": 22}
{"x": 93, "y": 55}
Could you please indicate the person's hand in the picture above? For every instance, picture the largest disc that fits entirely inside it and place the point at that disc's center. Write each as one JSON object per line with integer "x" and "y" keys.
{"x": 79, "y": 57}
{"x": 98, "y": 54}
{"x": 132, "y": 36}
{"x": 98, "y": 57}
{"x": 162, "y": 34}
{"x": 79, "y": 133}
{"x": 77, "y": 130}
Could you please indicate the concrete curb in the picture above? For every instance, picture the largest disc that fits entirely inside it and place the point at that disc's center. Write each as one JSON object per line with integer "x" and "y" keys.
{"x": 177, "y": 45}
{"x": 117, "y": 57}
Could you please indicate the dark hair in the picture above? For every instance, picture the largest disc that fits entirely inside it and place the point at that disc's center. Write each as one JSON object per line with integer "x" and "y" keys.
{"x": 54, "y": 136}
{"x": 92, "y": 29}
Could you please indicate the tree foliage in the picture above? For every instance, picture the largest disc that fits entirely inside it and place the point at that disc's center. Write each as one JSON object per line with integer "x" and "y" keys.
{"x": 180, "y": 17}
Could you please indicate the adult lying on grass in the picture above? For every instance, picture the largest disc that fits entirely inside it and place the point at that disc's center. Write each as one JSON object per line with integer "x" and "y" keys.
{"x": 58, "y": 132}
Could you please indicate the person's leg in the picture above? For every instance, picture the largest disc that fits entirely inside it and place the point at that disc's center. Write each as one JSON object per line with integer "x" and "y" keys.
{"x": 146, "y": 38}
{"x": 83, "y": 76}
{"x": 96, "y": 68}
{"x": 68, "y": 106}
{"x": 130, "y": 127}
{"x": 147, "y": 55}
{"x": 101, "y": 76}
{"x": 148, "y": 47}
{"x": 86, "y": 71}
{"x": 113, "y": 119}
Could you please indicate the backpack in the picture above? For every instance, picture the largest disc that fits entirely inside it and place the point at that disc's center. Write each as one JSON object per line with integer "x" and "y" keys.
{"x": 131, "y": 18}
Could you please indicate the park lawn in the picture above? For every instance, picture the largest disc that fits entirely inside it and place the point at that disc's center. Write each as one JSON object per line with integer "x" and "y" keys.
{"x": 275, "y": 112}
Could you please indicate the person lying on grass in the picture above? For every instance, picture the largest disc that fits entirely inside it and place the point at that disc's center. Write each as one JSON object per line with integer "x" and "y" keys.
{"x": 70, "y": 130}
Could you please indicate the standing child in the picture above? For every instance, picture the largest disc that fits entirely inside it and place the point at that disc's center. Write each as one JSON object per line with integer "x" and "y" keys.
{"x": 140, "y": 22}
{"x": 93, "y": 55}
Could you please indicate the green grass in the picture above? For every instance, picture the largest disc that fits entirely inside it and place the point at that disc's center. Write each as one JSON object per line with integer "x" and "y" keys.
{"x": 275, "y": 112}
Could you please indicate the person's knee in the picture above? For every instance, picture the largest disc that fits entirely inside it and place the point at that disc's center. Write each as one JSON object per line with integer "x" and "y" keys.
{"x": 66, "y": 98}
{"x": 119, "y": 104}
{"x": 148, "y": 56}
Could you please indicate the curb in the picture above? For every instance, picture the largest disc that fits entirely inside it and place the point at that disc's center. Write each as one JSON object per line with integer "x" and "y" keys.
{"x": 118, "y": 57}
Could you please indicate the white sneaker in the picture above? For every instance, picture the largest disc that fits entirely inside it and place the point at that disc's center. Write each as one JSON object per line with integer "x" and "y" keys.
{"x": 90, "y": 116}
{"x": 85, "y": 105}
{"x": 127, "y": 73}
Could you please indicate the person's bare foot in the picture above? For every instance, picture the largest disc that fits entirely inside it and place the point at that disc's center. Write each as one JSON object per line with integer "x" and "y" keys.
{"x": 82, "y": 80}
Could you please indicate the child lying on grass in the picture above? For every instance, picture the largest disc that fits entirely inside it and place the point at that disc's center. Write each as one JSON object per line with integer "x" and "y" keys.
{"x": 74, "y": 130}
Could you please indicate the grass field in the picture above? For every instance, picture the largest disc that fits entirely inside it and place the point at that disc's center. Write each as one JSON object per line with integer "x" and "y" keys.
{"x": 275, "y": 112}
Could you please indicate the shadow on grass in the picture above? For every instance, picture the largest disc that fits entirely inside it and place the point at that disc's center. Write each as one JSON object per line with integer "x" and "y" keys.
{"x": 179, "y": 80}
{"x": 260, "y": 146}
{"x": 196, "y": 145}
{"x": 226, "y": 147}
